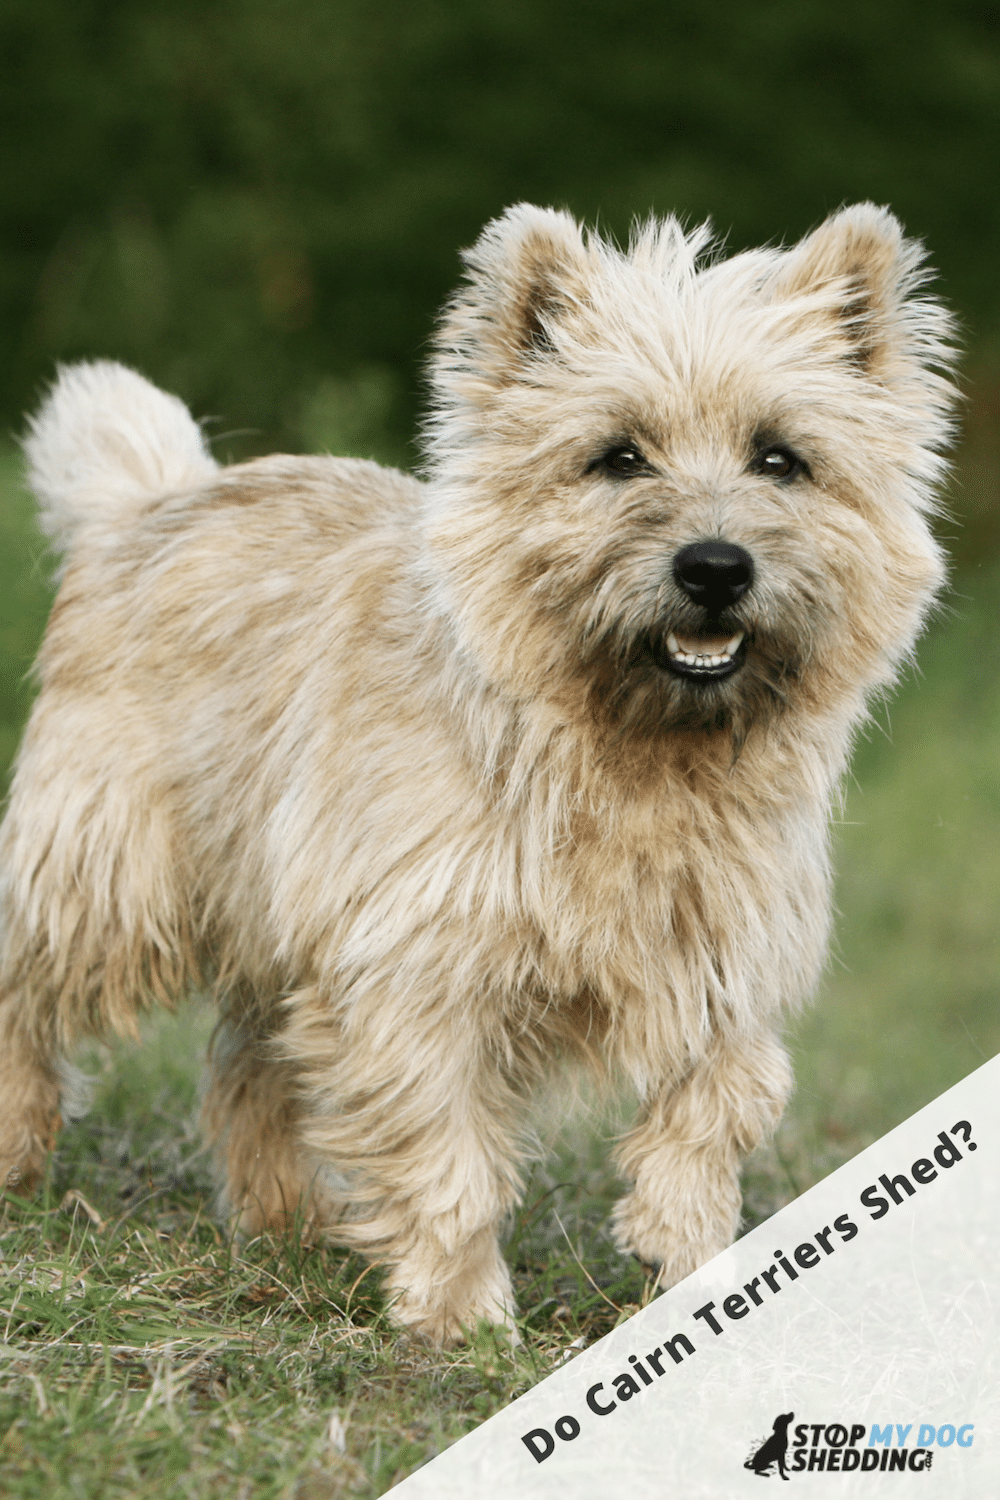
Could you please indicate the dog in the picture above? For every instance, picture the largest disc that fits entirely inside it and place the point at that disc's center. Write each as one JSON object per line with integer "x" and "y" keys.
{"x": 772, "y": 1450}
{"x": 437, "y": 783}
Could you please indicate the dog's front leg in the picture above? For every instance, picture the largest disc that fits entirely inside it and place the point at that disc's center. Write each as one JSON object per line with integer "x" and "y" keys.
{"x": 415, "y": 1110}
{"x": 684, "y": 1154}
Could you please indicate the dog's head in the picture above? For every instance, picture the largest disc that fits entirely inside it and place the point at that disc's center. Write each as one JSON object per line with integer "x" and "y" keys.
{"x": 673, "y": 491}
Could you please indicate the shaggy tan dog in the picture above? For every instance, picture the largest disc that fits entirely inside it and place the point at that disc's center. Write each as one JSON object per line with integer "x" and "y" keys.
{"x": 436, "y": 783}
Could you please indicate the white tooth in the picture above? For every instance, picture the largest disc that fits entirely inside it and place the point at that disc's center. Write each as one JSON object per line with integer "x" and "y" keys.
{"x": 716, "y": 661}
{"x": 734, "y": 644}
{"x": 672, "y": 645}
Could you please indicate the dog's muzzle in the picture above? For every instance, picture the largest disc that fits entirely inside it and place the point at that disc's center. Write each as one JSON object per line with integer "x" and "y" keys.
{"x": 714, "y": 575}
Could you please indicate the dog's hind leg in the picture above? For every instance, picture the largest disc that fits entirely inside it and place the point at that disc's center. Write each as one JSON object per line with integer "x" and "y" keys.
{"x": 251, "y": 1118}
{"x": 684, "y": 1154}
{"x": 29, "y": 1096}
{"x": 91, "y": 925}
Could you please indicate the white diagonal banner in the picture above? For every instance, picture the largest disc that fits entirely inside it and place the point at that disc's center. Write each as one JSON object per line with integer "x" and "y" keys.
{"x": 850, "y": 1346}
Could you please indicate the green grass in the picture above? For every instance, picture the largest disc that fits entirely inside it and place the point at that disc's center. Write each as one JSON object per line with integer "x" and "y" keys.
{"x": 910, "y": 1004}
{"x": 146, "y": 1353}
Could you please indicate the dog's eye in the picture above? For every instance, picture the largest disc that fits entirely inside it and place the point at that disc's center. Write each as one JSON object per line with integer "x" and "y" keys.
{"x": 624, "y": 461}
{"x": 779, "y": 463}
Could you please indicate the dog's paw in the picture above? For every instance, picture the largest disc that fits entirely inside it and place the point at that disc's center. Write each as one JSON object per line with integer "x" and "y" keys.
{"x": 447, "y": 1302}
{"x": 446, "y": 1324}
{"x": 24, "y": 1154}
{"x": 16, "y": 1179}
{"x": 676, "y": 1235}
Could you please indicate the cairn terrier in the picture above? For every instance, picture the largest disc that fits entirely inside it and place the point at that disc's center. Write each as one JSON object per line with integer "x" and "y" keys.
{"x": 436, "y": 783}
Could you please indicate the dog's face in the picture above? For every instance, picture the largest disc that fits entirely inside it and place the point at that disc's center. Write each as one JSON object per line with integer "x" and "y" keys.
{"x": 673, "y": 494}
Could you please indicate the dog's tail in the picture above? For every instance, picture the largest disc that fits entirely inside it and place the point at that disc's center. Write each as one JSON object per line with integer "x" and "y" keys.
{"x": 106, "y": 442}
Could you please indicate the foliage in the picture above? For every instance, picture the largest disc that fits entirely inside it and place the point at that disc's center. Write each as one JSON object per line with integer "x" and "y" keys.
{"x": 260, "y": 202}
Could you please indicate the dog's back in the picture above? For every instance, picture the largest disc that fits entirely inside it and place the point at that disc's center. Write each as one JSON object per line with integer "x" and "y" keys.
{"x": 107, "y": 451}
{"x": 204, "y": 619}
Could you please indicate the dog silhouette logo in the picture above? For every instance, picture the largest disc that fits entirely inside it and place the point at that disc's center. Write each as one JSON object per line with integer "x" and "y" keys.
{"x": 772, "y": 1450}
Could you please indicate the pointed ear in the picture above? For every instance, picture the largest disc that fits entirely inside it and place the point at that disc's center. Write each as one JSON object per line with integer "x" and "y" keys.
{"x": 526, "y": 273}
{"x": 861, "y": 258}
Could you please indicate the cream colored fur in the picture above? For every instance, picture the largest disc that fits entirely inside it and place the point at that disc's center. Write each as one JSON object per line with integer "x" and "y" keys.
{"x": 395, "y": 767}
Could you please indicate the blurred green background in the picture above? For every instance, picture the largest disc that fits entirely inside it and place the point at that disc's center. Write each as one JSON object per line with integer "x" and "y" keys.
{"x": 260, "y": 205}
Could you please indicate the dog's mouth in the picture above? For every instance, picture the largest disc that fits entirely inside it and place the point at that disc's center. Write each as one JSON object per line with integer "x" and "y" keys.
{"x": 701, "y": 658}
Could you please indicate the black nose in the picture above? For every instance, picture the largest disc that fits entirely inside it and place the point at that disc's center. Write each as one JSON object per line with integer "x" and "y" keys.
{"x": 713, "y": 574}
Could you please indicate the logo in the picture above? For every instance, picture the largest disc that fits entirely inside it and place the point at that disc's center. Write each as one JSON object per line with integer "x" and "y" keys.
{"x": 841, "y": 1447}
{"x": 772, "y": 1450}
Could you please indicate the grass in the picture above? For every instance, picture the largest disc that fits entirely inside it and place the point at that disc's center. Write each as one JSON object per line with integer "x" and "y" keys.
{"x": 144, "y": 1352}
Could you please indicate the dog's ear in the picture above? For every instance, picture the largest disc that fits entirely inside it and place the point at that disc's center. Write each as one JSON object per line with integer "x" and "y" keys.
{"x": 525, "y": 274}
{"x": 861, "y": 258}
